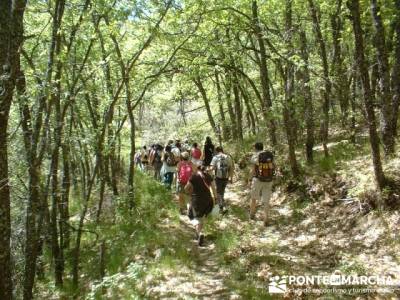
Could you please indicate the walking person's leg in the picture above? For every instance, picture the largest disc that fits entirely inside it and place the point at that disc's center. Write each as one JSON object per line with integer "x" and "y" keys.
{"x": 255, "y": 195}
{"x": 221, "y": 186}
{"x": 181, "y": 198}
{"x": 199, "y": 223}
{"x": 158, "y": 173}
{"x": 266, "y": 197}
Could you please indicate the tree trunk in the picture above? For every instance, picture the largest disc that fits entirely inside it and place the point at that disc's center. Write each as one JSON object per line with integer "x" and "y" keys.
{"x": 225, "y": 132}
{"x": 231, "y": 112}
{"x": 252, "y": 121}
{"x": 264, "y": 76}
{"x": 384, "y": 74}
{"x": 327, "y": 83}
{"x": 288, "y": 107}
{"x": 203, "y": 93}
{"x": 11, "y": 39}
{"x": 354, "y": 7}
{"x": 396, "y": 69}
{"x": 64, "y": 207}
{"x": 308, "y": 101}
{"x": 341, "y": 87}
{"x": 238, "y": 108}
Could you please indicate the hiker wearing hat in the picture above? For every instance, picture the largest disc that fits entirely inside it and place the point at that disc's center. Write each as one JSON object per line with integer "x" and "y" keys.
{"x": 185, "y": 169}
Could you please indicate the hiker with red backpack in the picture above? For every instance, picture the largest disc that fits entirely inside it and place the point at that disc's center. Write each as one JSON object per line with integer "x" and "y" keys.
{"x": 223, "y": 166}
{"x": 185, "y": 169}
{"x": 262, "y": 174}
{"x": 200, "y": 186}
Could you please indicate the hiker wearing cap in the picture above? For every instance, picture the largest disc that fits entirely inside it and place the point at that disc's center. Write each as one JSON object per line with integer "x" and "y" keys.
{"x": 185, "y": 169}
{"x": 223, "y": 166}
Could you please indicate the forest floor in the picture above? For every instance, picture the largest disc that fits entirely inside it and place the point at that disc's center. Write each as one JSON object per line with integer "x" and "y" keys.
{"x": 241, "y": 256}
{"x": 323, "y": 225}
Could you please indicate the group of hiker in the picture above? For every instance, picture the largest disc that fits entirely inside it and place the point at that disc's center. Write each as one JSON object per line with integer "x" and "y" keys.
{"x": 203, "y": 174}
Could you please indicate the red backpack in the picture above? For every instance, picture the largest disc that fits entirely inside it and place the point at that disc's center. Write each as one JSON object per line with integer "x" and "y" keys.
{"x": 196, "y": 153}
{"x": 184, "y": 172}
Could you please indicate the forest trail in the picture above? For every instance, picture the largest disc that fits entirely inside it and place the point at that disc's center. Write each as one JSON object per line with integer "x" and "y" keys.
{"x": 300, "y": 240}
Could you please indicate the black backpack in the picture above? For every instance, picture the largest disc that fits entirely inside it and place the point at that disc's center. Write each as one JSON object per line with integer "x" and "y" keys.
{"x": 265, "y": 168}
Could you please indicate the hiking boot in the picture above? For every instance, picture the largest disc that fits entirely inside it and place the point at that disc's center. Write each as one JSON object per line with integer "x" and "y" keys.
{"x": 201, "y": 240}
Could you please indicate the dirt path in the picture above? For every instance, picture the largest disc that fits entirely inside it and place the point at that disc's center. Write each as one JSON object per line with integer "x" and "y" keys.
{"x": 240, "y": 256}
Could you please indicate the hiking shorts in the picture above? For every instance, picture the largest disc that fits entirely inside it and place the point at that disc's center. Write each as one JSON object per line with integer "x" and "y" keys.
{"x": 261, "y": 190}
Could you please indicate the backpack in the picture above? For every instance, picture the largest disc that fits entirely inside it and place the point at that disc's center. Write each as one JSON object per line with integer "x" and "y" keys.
{"x": 265, "y": 168}
{"x": 196, "y": 153}
{"x": 171, "y": 161}
{"x": 222, "y": 167}
{"x": 184, "y": 172}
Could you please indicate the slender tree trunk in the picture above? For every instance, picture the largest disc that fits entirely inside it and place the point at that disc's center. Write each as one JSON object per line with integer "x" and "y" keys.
{"x": 341, "y": 87}
{"x": 238, "y": 108}
{"x": 231, "y": 112}
{"x": 288, "y": 107}
{"x": 6, "y": 87}
{"x": 252, "y": 121}
{"x": 327, "y": 83}
{"x": 203, "y": 93}
{"x": 11, "y": 39}
{"x": 354, "y": 7}
{"x": 264, "y": 76}
{"x": 64, "y": 207}
{"x": 308, "y": 101}
{"x": 384, "y": 74}
{"x": 225, "y": 132}
{"x": 353, "y": 108}
{"x": 396, "y": 69}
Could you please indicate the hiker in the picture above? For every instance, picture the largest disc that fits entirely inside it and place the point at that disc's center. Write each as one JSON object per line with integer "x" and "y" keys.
{"x": 262, "y": 174}
{"x": 208, "y": 152}
{"x": 186, "y": 146}
{"x": 176, "y": 150}
{"x": 144, "y": 158}
{"x": 185, "y": 169}
{"x": 168, "y": 167}
{"x": 156, "y": 160}
{"x": 196, "y": 155}
{"x": 202, "y": 202}
{"x": 137, "y": 160}
{"x": 223, "y": 166}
